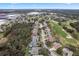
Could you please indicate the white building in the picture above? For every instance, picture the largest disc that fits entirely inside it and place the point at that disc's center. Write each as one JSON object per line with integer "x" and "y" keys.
{"x": 33, "y": 13}
{"x": 12, "y": 16}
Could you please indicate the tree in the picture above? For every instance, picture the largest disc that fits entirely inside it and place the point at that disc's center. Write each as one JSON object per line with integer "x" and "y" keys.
{"x": 59, "y": 51}
{"x": 44, "y": 51}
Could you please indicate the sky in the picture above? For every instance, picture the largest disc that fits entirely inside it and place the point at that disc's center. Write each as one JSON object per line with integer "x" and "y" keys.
{"x": 39, "y": 6}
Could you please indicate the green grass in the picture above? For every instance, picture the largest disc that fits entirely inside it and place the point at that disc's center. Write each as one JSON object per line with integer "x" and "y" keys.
{"x": 27, "y": 51}
{"x": 59, "y": 31}
{"x": 66, "y": 41}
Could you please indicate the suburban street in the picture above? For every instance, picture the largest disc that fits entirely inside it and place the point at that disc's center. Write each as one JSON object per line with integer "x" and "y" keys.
{"x": 35, "y": 38}
{"x": 43, "y": 35}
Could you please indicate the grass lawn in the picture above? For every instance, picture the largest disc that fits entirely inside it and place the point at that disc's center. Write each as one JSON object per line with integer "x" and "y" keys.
{"x": 59, "y": 31}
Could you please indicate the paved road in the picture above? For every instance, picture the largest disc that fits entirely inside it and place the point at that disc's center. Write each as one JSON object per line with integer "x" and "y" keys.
{"x": 35, "y": 38}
